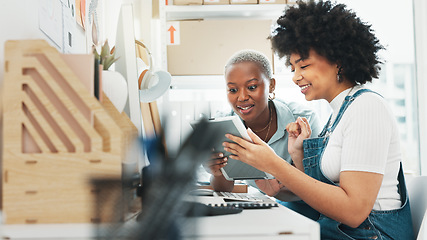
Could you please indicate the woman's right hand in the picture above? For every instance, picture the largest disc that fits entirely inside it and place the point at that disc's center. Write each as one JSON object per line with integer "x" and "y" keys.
{"x": 215, "y": 163}
{"x": 298, "y": 131}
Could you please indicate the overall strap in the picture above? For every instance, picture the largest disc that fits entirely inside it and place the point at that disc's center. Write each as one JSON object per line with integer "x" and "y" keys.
{"x": 347, "y": 101}
{"x": 325, "y": 128}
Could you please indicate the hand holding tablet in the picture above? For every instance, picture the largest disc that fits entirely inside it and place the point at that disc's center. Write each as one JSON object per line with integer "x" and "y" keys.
{"x": 234, "y": 170}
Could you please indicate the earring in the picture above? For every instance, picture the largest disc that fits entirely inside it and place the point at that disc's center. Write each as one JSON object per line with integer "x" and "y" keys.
{"x": 339, "y": 75}
{"x": 271, "y": 96}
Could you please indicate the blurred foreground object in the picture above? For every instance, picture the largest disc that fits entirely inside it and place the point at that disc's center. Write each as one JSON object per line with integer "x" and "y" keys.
{"x": 165, "y": 183}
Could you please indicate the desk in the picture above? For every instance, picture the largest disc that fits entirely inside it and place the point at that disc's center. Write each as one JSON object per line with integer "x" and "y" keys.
{"x": 274, "y": 223}
{"x": 78, "y": 231}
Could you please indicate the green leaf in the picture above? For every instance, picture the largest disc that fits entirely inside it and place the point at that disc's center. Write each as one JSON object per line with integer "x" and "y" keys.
{"x": 109, "y": 61}
{"x": 105, "y": 50}
{"x": 107, "y": 56}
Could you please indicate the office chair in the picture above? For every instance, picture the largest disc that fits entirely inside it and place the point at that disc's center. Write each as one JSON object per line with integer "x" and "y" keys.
{"x": 417, "y": 192}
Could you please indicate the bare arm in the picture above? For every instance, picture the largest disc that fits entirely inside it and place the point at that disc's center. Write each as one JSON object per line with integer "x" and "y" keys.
{"x": 349, "y": 203}
{"x": 287, "y": 196}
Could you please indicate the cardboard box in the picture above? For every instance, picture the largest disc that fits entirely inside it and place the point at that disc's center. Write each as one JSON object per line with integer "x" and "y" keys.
{"x": 216, "y": 2}
{"x": 243, "y": 1}
{"x": 238, "y": 187}
{"x": 272, "y": 1}
{"x": 206, "y": 45}
{"x": 187, "y": 2}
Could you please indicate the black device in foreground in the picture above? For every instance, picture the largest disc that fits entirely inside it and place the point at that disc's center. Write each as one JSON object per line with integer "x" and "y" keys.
{"x": 197, "y": 209}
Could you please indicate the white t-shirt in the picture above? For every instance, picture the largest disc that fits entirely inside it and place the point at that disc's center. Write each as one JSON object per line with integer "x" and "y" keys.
{"x": 366, "y": 139}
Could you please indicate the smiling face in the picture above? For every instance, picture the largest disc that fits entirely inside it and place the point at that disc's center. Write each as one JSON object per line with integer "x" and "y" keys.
{"x": 317, "y": 77}
{"x": 247, "y": 91}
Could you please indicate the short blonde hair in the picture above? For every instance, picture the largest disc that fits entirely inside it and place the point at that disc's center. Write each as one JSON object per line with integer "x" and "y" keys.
{"x": 249, "y": 55}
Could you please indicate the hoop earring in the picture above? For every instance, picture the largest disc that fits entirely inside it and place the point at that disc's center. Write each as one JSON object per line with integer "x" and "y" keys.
{"x": 271, "y": 97}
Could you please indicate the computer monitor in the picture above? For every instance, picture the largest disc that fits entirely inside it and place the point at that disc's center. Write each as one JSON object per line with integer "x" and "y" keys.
{"x": 127, "y": 66}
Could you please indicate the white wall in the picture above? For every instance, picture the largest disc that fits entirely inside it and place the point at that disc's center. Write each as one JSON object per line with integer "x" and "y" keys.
{"x": 20, "y": 20}
{"x": 420, "y": 19}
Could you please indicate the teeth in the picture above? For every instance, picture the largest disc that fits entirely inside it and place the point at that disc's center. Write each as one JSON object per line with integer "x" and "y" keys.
{"x": 245, "y": 108}
{"x": 306, "y": 86}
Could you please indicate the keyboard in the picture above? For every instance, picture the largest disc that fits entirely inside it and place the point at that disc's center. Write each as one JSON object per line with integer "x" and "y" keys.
{"x": 197, "y": 209}
{"x": 247, "y": 197}
{"x": 246, "y": 205}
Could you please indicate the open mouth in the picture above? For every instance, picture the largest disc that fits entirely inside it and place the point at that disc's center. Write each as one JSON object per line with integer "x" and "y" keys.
{"x": 305, "y": 88}
{"x": 245, "y": 109}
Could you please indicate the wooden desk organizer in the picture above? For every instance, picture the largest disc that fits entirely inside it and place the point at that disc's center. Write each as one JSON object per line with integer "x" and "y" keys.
{"x": 56, "y": 138}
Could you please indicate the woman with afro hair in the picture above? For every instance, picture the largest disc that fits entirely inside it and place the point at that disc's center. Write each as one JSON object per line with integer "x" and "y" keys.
{"x": 351, "y": 174}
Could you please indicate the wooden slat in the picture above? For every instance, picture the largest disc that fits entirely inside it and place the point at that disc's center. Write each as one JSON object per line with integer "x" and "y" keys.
{"x": 46, "y": 127}
{"x": 41, "y": 143}
{"x": 73, "y": 114}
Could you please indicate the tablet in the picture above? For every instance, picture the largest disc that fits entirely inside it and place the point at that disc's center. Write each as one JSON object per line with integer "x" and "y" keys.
{"x": 234, "y": 170}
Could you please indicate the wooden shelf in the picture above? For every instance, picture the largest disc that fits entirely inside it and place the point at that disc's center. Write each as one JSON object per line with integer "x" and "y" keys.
{"x": 224, "y": 11}
{"x": 195, "y": 12}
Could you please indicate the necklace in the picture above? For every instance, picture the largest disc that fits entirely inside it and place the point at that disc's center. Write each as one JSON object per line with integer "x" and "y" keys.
{"x": 268, "y": 126}
{"x": 269, "y": 122}
{"x": 268, "y": 130}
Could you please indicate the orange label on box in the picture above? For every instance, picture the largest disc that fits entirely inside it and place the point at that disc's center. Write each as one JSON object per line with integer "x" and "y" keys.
{"x": 173, "y": 33}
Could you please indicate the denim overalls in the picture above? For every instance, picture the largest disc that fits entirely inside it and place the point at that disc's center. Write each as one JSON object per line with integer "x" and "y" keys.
{"x": 390, "y": 224}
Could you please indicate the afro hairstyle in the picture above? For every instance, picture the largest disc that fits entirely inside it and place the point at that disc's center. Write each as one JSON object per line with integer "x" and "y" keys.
{"x": 335, "y": 33}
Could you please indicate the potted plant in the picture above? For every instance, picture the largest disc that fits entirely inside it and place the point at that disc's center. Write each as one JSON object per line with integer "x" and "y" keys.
{"x": 113, "y": 84}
